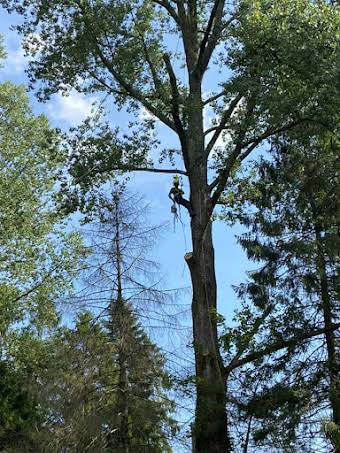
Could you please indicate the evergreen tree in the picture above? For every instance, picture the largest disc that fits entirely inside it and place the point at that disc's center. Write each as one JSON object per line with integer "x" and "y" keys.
{"x": 126, "y": 278}
{"x": 278, "y": 62}
{"x": 105, "y": 386}
{"x": 77, "y": 387}
{"x": 140, "y": 420}
{"x": 293, "y": 393}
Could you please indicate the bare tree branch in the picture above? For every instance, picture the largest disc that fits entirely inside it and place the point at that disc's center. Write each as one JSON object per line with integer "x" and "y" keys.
{"x": 151, "y": 169}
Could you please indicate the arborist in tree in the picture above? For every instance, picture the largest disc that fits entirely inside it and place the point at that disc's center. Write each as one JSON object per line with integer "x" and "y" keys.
{"x": 176, "y": 196}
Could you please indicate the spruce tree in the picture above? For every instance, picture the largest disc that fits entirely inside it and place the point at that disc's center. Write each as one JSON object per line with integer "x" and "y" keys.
{"x": 292, "y": 394}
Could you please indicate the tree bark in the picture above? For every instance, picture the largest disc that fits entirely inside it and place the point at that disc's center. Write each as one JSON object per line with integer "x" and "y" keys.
{"x": 210, "y": 430}
{"x": 120, "y": 441}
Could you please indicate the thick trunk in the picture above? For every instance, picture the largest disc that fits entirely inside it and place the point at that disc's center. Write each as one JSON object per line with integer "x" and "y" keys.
{"x": 211, "y": 422}
{"x": 210, "y": 430}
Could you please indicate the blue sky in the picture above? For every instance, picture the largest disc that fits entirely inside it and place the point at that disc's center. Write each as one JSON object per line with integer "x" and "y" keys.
{"x": 64, "y": 112}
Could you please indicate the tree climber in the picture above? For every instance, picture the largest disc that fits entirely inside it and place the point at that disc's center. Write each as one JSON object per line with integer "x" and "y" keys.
{"x": 176, "y": 196}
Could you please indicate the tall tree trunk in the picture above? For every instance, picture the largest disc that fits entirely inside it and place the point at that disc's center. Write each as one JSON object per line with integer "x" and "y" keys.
{"x": 210, "y": 430}
{"x": 120, "y": 441}
{"x": 333, "y": 364}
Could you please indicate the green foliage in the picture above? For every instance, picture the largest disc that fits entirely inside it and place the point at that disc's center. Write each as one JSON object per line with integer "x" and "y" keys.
{"x": 78, "y": 386}
{"x": 281, "y": 57}
{"x": 293, "y": 224}
{"x": 280, "y": 67}
{"x": 18, "y": 410}
{"x": 38, "y": 262}
{"x": 37, "y": 258}
{"x": 291, "y": 46}
{"x": 142, "y": 388}
{"x": 2, "y": 50}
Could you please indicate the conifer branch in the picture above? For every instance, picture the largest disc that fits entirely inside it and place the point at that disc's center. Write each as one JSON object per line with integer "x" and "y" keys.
{"x": 278, "y": 345}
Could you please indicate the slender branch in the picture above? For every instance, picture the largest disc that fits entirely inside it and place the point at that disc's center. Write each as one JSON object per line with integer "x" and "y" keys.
{"x": 152, "y": 170}
{"x": 211, "y": 35}
{"x": 136, "y": 94}
{"x": 248, "y": 151}
{"x": 172, "y": 12}
{"x": 156, "y": 80}
{"x": 215, "y": 97}
{"x": 225, "y": 117}
{"x": 175, "y": 100}
{"x": 254, "y": 330}
{"x": 209, "y": 28}
{"x": 277, "y": 346}
{"x": 221, "y": 180}
{"x": 35, "y": 287}
{"x": 271, "y": 131}
{"x": 106, "y": 85}
{"x": 212, "y": 129}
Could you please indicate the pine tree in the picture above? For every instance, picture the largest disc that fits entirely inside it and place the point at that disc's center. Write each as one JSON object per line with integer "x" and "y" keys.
{"x": 142, "y": 421}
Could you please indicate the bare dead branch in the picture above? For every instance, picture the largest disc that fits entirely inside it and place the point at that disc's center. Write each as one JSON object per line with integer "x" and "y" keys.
{"x": 151, "y": 170}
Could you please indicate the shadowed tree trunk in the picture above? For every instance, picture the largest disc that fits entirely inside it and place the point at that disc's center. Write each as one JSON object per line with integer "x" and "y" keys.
{"x": 120, "y": 440}
{"x": 210, "y": 428}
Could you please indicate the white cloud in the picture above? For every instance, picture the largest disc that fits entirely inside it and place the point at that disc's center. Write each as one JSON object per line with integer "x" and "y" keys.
{"x": 72, "y": 109}
{"x": 16, "y": 61}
